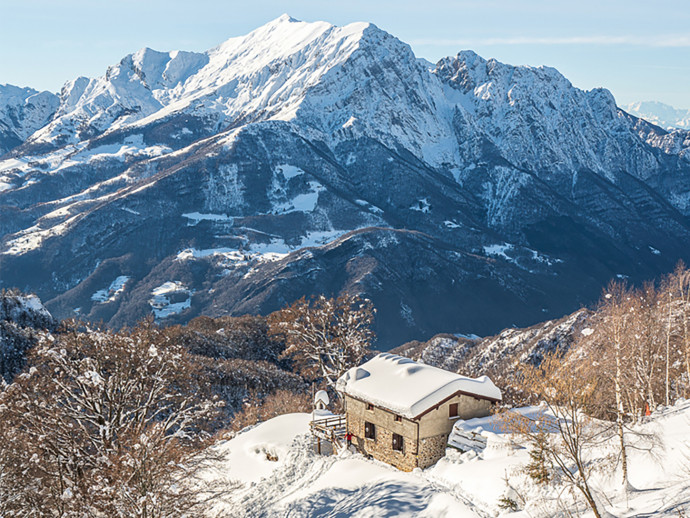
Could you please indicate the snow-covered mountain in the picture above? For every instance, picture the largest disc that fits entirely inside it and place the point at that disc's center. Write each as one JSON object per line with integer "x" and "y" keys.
{"x": 660, "y": 114}
{"x": 465, "y": 196}
{"x": 500, "y": 356}
{"x": 22, "y": 112}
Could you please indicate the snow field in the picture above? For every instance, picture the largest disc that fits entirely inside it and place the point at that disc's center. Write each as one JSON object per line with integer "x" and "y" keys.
{"x": 165, "y": 301}
{"x": 195, "y": 217}
{"x": 274, "y": 250}
{"x": 246, "y": 457}
{"x": 113, "y": 291}
{"x": 300, "y": 483}
{"x": 305, "y": 202}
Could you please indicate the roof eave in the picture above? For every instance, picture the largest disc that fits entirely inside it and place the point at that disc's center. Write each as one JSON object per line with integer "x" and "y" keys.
{"x": 430, "y": 408}
{"x": 454, "y": 394}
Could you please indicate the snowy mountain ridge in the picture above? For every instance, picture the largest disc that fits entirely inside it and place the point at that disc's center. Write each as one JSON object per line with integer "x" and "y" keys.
{"x": 22, "y": 112}
{"x": 272, "y": 74}
{"x": 242, "y": 76}
{"x": 309, "y": 158}
{"x": 660, "y": 114}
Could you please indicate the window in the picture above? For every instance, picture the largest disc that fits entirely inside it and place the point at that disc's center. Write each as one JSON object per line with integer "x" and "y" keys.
{"x": 369, "y": 430}
{"x": 397, "y": 442}
{"x": 453, "y": 410}
{"x": 370, "y": 406}
{"x": 398, "y": 418}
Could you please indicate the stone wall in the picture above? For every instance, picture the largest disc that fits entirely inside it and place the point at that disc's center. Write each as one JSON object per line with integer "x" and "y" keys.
{"x": 381, "y": 447}
{"x": 438, "y": 421}
{"x": 431, "y": 431}
{"x": 431, "y": 449}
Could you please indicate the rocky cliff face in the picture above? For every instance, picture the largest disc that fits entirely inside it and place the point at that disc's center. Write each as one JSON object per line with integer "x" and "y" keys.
{"x": 304, "y": 158}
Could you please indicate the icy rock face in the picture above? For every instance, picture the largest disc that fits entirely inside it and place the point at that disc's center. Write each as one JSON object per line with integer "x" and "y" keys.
{"x": 382, "y": 91}
{"x": 540, "y": 122}
{"x": 22, "y": 112}
{"x": 306, "y": 158}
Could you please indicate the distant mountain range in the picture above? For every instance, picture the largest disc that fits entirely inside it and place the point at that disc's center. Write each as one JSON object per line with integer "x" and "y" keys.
{"x": 463, "y": 196}
{"x": 660, "y": 114}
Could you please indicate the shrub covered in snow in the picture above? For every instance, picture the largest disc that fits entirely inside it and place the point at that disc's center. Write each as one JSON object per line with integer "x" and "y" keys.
{"x": 105, "y": 424}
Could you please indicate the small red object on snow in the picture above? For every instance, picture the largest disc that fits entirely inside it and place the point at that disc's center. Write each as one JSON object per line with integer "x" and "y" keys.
{"x": 646, "y": 410}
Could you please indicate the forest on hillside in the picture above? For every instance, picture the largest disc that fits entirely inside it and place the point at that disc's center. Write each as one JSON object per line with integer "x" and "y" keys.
{"x": 111, "y": 422}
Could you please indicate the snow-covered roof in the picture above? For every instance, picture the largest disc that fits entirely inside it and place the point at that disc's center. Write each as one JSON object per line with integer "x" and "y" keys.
{"x": 322, "y": 396}
{"x": 409, "y": 388}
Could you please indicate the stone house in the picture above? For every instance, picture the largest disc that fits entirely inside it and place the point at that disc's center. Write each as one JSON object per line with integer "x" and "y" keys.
{"x": 401, "y": 412}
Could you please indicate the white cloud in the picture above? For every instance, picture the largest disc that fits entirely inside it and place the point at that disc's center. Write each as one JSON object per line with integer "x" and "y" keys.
{"x": 645, "y": 41}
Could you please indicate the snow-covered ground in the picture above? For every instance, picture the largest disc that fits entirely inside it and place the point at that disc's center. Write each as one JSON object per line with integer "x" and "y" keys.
{"x": 113, "y": 291}
{"x": 170, "y": 298}
{"x": 274, "y": 250}
{"x": 305, "y": 202}
{"x": 280, "y": 475}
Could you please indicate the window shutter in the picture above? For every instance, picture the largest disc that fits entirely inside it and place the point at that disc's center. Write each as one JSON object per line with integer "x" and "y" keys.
{"x": 397, "y": 442}
{"x": 369, "y": 430}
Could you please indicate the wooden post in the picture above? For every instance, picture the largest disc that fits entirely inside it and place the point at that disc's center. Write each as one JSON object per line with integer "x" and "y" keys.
{"x": 318, "y": 442}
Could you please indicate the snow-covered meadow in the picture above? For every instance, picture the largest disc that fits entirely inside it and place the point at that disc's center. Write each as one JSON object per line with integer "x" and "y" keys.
{"x": 280, "y": 475}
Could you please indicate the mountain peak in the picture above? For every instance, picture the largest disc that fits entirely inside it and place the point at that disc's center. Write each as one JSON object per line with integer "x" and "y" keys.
{"x": 470, "y": 57}
{"x": 11, "y": 92}
{"x": 474, "y": 177}
{"x": 23, "y": 110}
{"x": 284, "y": 18}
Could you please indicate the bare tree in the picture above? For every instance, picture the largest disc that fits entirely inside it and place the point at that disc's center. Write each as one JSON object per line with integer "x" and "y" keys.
{"x": 562, "y": 438}
{"x": 677, "y": 288}
{"x": 616, "y": 309}
{"x": 648, "y": 351}
{"x": 106, "y": 424}
{"x": 326, "y": 336}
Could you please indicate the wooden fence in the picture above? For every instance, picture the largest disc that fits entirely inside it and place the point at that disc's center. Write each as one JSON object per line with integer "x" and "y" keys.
{"x": 330, "y": 429}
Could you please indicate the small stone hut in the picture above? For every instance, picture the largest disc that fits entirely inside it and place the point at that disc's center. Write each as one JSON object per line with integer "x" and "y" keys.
{"x": 401, "y": 412}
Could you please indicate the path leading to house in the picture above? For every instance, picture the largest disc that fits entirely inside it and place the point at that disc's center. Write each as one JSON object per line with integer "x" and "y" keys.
{"x": 302, "y": 483}
{"x": 281, "y": 475}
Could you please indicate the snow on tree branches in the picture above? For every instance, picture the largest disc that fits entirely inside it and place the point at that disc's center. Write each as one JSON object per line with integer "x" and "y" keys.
{"x": 326, "y": 336}
{"x": 104, "y": 424}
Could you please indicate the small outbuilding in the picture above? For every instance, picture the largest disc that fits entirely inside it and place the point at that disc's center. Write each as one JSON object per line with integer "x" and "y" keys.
{"x": 321, "y": 400}
{"x": 401, "y": 412}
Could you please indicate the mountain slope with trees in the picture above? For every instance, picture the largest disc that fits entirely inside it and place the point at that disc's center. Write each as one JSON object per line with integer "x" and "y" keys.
{"x": 464, "y": 196}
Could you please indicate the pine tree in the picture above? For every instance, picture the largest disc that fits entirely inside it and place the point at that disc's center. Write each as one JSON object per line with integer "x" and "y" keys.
{"x": 537, "y": 468}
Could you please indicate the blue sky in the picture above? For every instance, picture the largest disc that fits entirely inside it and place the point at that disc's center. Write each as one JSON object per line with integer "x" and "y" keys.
{"x": 640, "y": 50}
